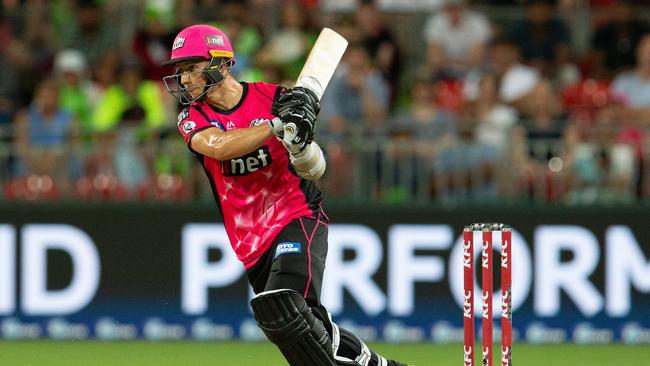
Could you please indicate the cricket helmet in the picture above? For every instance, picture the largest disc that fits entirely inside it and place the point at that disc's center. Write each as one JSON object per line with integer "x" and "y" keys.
{"x": 198, "y": 42}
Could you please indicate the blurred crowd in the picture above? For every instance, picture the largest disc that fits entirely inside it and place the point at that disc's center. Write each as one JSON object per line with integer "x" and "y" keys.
{"x": 452, "y": 104}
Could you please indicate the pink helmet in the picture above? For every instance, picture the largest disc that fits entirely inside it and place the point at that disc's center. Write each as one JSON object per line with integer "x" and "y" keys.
{"x": 199, "y": 42}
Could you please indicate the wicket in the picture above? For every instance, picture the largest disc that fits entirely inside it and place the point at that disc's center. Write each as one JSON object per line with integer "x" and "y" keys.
{"x": 486, "y": 278}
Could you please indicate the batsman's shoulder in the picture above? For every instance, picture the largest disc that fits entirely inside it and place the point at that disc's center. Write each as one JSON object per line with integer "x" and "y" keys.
{"x": 183, "y": 115}
{"x": 192, "y": 112}
{"x": 270, "y": 90}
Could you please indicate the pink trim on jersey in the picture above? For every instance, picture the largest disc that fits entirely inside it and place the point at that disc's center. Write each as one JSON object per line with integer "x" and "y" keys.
{"x": 320, "y": 206}
{"x": 309, "y": 239}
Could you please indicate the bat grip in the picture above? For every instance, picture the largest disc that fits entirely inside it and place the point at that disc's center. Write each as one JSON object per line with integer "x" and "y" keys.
{"x": 290, "y": 131}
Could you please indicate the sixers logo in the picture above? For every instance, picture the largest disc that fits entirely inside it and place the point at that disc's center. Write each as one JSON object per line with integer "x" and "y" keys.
{"x": 178, "y": 43}
{"x": 188, "y": 126}
{"x": 259, "y": 121}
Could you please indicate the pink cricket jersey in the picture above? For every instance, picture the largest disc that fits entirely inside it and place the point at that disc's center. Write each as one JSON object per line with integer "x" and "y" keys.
{"x": 258, "y": 193}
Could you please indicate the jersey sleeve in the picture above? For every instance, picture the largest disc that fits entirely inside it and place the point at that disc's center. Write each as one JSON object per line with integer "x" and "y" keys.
{"x": 191, "y": 121}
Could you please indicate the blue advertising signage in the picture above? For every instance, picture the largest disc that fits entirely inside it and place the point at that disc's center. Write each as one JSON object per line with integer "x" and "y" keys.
{"x": 167, "y": 272}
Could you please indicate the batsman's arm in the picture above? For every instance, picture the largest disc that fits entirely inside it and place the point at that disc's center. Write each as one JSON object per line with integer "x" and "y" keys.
{"x": 309, "y": 162}
{"x": 215, "y": 143}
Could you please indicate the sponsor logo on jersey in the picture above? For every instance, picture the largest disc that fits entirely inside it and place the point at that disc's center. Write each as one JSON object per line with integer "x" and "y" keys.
{"x": 246, "y": 164}
{"x": 259, "y": 121}
{"x": 188, "y": 126}
{"x": 181, "y": 116}
{"x": 230, "y": 125}
{"x": 287, "y": 247}
{"x": 178, "y": 43}
{"x": 214, "y": 40}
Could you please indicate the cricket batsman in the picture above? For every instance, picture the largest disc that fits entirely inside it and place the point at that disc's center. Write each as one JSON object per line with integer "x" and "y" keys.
{"x": 265, "y": 190}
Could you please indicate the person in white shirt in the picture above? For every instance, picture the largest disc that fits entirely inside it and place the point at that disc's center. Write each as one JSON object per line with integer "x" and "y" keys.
{"x": 456, "y": 38}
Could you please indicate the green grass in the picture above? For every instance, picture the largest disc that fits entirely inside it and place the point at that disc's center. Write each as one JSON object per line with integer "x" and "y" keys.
{"x": 48, "y": 353}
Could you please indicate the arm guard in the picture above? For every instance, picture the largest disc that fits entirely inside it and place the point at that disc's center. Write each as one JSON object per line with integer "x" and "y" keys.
{"x": 310, "y": 162}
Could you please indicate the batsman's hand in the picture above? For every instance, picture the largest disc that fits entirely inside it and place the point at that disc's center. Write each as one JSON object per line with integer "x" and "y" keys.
{"x": 297, "y": 108}
{"x": 296, "y": 97}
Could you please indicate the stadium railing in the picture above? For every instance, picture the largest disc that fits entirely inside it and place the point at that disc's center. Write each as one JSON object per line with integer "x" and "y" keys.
{"x": 603, "y": 168}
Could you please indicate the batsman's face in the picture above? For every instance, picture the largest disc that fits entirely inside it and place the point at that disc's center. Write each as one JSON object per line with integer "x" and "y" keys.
{"x": 191, "y": 76}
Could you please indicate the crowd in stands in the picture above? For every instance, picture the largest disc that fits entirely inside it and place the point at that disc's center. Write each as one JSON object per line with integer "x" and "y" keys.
{"x": 446, "y": 105}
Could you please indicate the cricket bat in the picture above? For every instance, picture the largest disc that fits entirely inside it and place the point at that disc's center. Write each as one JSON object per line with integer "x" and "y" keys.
{"x": 319, "y": 68}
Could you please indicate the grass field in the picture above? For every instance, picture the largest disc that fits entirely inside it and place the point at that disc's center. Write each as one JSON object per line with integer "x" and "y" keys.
{"x": 86, "y": 353}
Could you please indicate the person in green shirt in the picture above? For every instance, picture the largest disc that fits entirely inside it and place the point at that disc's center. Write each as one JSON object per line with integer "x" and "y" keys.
{"x": 78, "y": 94}
{"x": 130, "y": 99}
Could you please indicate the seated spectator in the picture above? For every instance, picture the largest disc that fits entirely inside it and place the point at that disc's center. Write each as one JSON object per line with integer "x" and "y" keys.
{"x": 288, "y": 46}
{"x": 16, "y": 80}
{"x": 89, "y": 28}
{"x": 245, "y": 38}
{"x": 492, "y": 119}
{"x": 543, "y": 126}
{"x": 380, "y": 44}
{"x": 77, "y": 92}
{"x": 44, "y": 132}
{"x": 131, "y": 98}
{"x": 418, "y": 133}
{"x": 616, "y": 41}
{"x": 106, "y": 72}
{"x": 456, "y": 39}
{"x": 544, "y": 119}
{"x": 356, "y": 95}
{"x": 543, "y": 39}
{"x": 151, "y": 45}
{"x": 633, "y": 90}
{"x": 633, "y": 87}
{"x": 517, "y": 81}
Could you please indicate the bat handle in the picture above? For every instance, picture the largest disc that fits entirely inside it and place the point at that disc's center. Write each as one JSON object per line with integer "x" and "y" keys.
{"x": 290, "y": 131}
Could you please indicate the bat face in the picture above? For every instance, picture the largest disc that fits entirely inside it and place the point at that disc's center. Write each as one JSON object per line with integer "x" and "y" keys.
{"x": 322, "y": 61}
{"x": 319, "y": 68}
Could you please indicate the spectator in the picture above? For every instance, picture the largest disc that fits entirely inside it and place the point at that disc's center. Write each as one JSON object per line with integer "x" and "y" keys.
{"x": 151, "y": 45}
{"x": 43, "y": 132}
{"x": 90, "y": 30}
{"x": 544, "y": 126}
{"x": 16, "y": 66}
{"x": 543, "y": 39}
{"x": 357, "y": 95}
{"x": 456, "y": 39}
{"x": 131, "y": 99}
{"x": 544, "y": 119}
{"x": 492, "y": 119}
{"x": 380, "y": 44}
{"x": 105, "y": 72}
{"x": 615, "y": 42}
{"x": 428, "y": 125}
{"x": 288, "y": 46}
{"x": 633, "y": 87}
{"x": 418, "y": 133}
{"x": 517, "y": 81}
{"x": 77, "y": 92}
{"x": 246, "y": 40}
